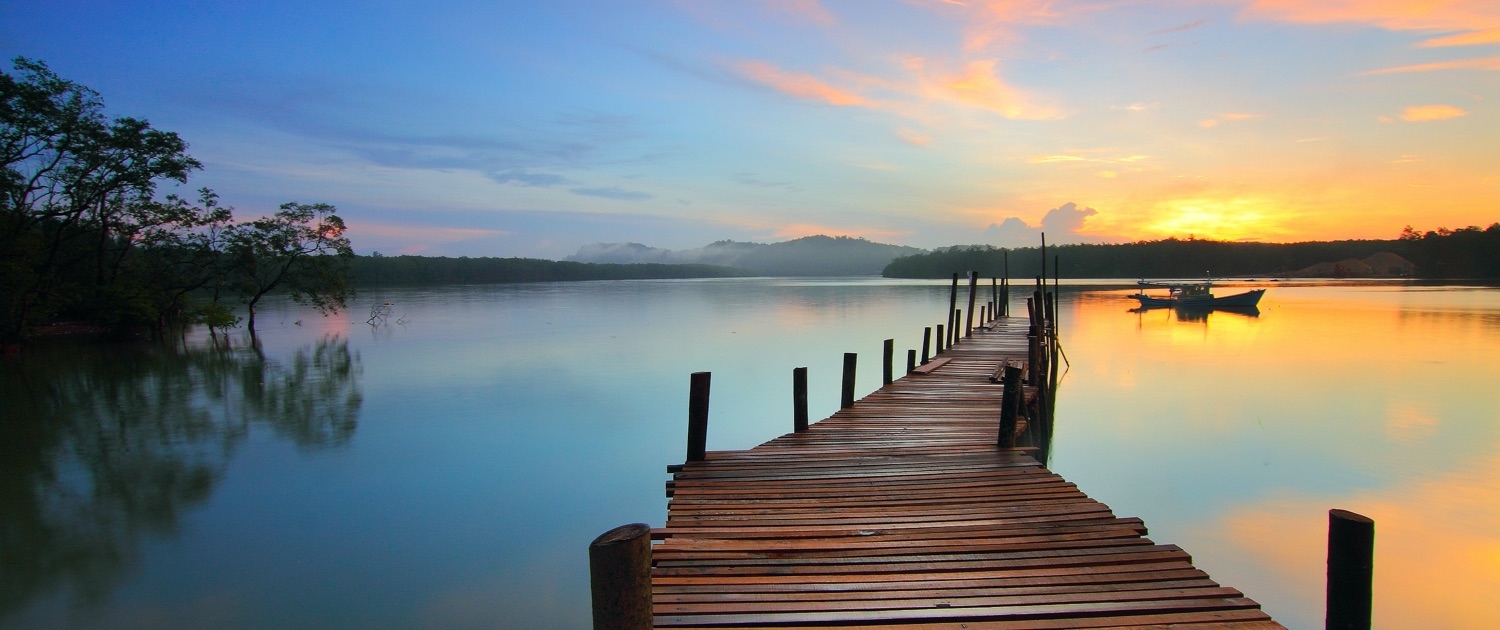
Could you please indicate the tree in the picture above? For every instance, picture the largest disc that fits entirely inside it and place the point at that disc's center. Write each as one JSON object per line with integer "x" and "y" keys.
{"x": 301, "y": 249}
{"x": 77, "y": 196}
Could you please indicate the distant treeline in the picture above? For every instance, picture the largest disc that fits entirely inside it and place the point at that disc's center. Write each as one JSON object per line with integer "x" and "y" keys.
{"x": 380, "y": 270}
{"x": 1470, "y": 252}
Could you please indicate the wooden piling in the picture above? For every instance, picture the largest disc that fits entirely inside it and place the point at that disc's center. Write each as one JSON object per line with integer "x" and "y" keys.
{"x": 1010, "y": 404}
{"x": 952, "y": 304}
{"x": 1351, "y": 554}
{"x": 958, "y": 317}
{"x": 799, "y": 399}
{"x": 620, "y": 578}
{"x": 973, "y": 291}
{"x": 888, "y": 355}
{"x": 926, "y": 343}
{"x": 846, "y": 401}
{"x": 698, "y": 416}
{"x": 941, "y": 339}
{"x": 911, "y": 360}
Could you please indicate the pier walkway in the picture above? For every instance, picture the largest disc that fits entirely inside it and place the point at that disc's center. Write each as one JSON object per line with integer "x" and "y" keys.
{"x": 903, "y": 511}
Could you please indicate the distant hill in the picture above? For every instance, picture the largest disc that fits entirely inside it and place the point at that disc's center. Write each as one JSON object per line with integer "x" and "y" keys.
{"x": 809, "y": 256}
{"x": 424, "y": 270}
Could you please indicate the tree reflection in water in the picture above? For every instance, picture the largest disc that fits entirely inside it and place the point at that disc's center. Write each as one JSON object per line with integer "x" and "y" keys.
{"x": 101, "y": 446}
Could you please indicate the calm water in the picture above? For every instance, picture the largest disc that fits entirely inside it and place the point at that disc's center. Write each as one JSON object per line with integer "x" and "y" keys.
{"x": 448, "y": 468}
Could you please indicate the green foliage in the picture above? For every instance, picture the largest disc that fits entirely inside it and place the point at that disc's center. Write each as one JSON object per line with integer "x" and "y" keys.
{"x": 85, "y": 237}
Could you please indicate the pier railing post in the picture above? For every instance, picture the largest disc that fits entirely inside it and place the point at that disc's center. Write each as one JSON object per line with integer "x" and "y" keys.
{"x": 941, "y": 339}
{"x": 698, "y": 416}
{"x": 911, "y": 360}
{"x": 620, "y": 578}
{"x": 952, "y": 305}
{"x": 926, "y": 344}
{"x": 973, "y": 290}
{"x": 1010, "y": 403}
{"x": 846, "y": 400}
{"x": 953, "y": 337}
{"x": 1351, "y": 555}
{"x": 887, "y": 366}
{"x": 799, "y": 399}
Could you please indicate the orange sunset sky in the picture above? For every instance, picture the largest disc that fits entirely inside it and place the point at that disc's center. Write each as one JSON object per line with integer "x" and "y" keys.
{"x": 530, "y": 129}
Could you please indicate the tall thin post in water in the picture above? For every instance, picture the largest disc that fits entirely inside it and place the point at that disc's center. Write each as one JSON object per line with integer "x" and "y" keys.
{"x": 953, "y": 337}
{"x": 941, "y": 339}
{"x": 799, "y": 399}
{"x": 1005, "y": 284}
{"x": 1351, "y": 557}
{"x": 1044, "y": 255}
{"x": 926, "y": 343}
{"x": 969, "y": 323}
{"x": 846, "y": 400}
{"x": 952, "y": 304}
{"x": 698, "y": 416}
{"x": 887, "y": 356}
{"x": 911, "y": 360}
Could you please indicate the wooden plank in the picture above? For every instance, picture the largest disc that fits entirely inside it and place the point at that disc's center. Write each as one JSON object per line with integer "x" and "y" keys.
{"x": 932, "y": 366}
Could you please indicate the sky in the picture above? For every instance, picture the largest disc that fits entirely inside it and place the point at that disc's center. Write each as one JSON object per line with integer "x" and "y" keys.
{"x": 531, "y": 129}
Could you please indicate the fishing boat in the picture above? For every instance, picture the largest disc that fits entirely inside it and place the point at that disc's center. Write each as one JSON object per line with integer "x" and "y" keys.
{"x": 1193, "y": 295}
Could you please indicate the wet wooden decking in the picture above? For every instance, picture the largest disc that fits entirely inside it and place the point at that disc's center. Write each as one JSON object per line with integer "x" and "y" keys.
{"x": 902, "y": 511}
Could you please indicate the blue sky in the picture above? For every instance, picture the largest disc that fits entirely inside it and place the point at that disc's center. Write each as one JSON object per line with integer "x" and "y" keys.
{"x": 529, "y": 129}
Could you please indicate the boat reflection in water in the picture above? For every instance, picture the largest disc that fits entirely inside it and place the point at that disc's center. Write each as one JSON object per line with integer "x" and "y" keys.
{"x": 1199, "y": 313}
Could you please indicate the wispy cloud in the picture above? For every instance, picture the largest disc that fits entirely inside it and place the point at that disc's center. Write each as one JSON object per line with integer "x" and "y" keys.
{"x": 809, "y": 10}
{"x": 524, "y": 178}
{"x": 1210, "y": 123}
{"x": 803, "y": 86}
{"x": 1421, "y": 113}
{"x": 1482, "y": 63}
{"x": 611, "y": 192}
{"x": 1182, "y": 27}
{"x": 1474, "y": 20}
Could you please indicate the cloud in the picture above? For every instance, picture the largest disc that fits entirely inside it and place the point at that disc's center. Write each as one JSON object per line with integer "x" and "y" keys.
{"x": 1482, "y": 63}
{"x": 1210, "y": 123}
{"x": 803, "y": 86}
{"x": 1061, "y": 224}
{"x": 1473, "y": 20}
{"x": 1068, "y": 157}
{"x": 523, "y": 178}
{"x": 913, "y": 137}
{"x": 976, "y": 85}
{"x": 810, "y": 10}
{"x": 611, "y": 192}
{"x": 1182, "y": 27}
{"x": 750, "y": 179}
{"x": 1420, "y": 113}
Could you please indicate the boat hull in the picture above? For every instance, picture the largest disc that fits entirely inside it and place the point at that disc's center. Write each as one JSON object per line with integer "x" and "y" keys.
{"x": 1246, "y": 299}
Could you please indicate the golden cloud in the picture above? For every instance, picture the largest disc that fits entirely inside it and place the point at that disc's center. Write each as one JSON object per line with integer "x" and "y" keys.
{"x": 1482, "y": 63}
{"x": 803, "y": 86}
{"x": 1420, "y": 113}
{"x": 1475, "y": 20}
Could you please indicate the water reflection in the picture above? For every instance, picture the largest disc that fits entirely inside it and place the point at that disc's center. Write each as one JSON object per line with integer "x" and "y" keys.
{"x": 104, "y": 446}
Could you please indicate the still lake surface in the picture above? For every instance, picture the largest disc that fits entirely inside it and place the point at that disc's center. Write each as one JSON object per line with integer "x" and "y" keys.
{"x": 449, "y": 467}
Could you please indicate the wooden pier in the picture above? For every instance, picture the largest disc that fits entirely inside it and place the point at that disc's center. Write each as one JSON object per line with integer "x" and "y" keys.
{"x": 904, "y": 510}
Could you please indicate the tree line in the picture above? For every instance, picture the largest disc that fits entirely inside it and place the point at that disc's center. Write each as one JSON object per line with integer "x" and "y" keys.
{"x": 378, "y": 270}
{"x": 1441, "y": 254}
{"x": 85, "y": 237}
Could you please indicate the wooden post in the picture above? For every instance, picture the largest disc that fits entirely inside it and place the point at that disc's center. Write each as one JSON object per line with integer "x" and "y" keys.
{"x": 888, "y": 355}
{"x": 984, "y": 313}
{"x": 926, "y": 343}
{"x": 620, "y": 578}
{"x": 1005, "y": 283}
{"x": 1010, "y": 403}
{"x": 941, "y": 338}
{"x": 1044, "y": 255}
{"x": 958, "y": 316}
{"x": 969, "y": 323}
{"x": 698, "y": 416}
{"x": 994, "y": 298}
{"x": 799, "y": 399}
{"x": 1351, "y": 554}
{"x": 911, "y": 360}
{"x": 952, "y": 305}
{"x": 846, "y": 401}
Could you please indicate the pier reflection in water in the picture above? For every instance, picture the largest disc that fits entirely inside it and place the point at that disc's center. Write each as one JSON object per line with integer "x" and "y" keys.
{"x": 105, "y": 446}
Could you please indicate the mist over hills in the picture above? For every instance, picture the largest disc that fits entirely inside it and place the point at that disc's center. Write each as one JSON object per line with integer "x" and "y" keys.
{"x": 809, "y": 256}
